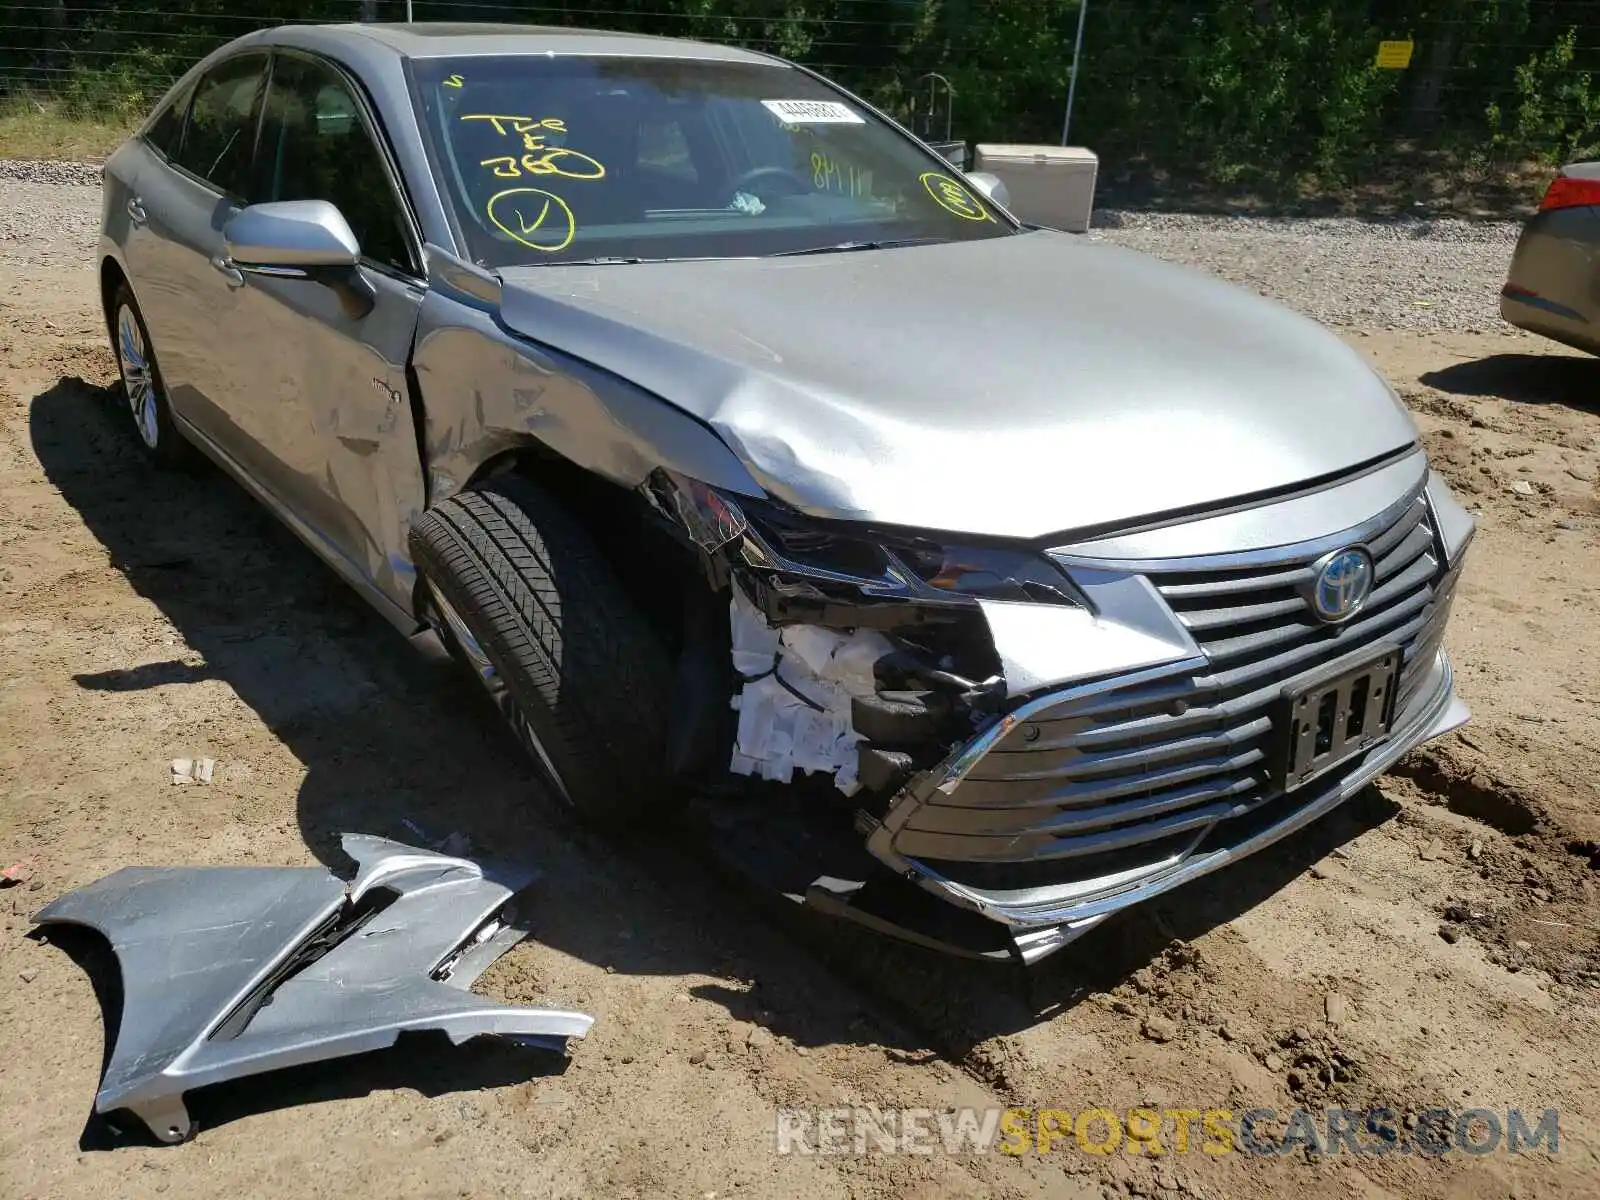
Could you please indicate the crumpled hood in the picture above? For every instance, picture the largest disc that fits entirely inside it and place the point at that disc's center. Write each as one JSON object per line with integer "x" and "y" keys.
{"x": 1013, "y": 387}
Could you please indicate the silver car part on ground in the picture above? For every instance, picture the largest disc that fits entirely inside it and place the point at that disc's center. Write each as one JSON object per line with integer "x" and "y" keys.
{"x": 232, "y": 971}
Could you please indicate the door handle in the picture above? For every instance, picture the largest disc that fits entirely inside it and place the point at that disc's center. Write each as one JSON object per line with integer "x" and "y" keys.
{"x": 136, "y": 212}
{"x": 231, "y": 273}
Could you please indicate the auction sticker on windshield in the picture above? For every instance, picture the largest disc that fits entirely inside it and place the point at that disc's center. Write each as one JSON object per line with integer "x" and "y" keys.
{"x": 813, "y": 112}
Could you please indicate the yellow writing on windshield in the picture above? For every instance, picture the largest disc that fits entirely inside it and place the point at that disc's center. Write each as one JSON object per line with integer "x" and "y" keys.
{"x": 454, "y": 81}
{"x": 553, "y": 160}
{"x": 953, "y": 196}
{"x": 518, "y": 125}
{"x": 540, "y": 159}
{"x": 830, "y": 175}
{"x": 536, "y": 218}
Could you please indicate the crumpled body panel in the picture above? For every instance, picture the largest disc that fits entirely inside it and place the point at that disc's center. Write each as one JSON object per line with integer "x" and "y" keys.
{"x": 232, "y": 971}
{"x": 1014, "y": 387}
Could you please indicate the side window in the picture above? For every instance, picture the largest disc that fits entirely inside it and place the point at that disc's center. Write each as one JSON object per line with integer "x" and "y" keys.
{"x": 314, "y": 146}
{"x": 663, "y": 147}
{"x": 221, "y": 133}
{"x": 166, "y": 130}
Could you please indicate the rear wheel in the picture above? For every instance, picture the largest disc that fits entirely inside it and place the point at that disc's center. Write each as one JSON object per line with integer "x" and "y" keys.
{"x": 526, "y": 601}
{"x": 142, "y": 388}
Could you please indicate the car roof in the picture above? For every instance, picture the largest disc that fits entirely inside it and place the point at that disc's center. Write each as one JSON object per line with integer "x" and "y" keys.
{"x": 448, "y": 39}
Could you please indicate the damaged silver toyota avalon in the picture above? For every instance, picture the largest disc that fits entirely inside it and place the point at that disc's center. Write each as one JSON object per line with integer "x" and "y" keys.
{"x": 750, "y": 454}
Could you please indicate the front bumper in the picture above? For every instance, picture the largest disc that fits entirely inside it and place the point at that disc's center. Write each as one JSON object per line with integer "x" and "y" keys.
{"x": 1043, "y": 920}
{"x": 1096, "y": 796}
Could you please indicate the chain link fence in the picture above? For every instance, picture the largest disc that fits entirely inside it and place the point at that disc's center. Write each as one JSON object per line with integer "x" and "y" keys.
{"x": 1291, "y": 98}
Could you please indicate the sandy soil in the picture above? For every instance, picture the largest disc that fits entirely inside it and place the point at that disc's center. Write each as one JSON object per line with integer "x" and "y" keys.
{"x": 147, "y": 617}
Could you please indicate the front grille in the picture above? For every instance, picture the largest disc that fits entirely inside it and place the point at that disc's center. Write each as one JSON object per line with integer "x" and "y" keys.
{"x": 1143, "y": 765}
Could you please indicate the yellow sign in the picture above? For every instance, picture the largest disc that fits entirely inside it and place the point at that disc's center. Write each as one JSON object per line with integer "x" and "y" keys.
{"x": 1395, "y": 56}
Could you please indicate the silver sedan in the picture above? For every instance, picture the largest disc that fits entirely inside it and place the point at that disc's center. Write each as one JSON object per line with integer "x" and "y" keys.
{"x": 743, "y": 448}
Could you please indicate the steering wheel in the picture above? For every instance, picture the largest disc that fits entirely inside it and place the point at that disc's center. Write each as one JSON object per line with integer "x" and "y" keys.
{"x": 797, "y": 185}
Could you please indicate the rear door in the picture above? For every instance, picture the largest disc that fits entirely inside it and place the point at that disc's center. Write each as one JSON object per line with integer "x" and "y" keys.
{"x": 180, "y": 203}
{"x": 323, "y": 385}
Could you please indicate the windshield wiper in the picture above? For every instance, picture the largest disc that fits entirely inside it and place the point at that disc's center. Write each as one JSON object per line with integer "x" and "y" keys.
{"x": 840, "y": 247}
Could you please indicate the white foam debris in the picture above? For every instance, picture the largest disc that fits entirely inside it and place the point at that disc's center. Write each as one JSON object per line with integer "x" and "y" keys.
{"x": 794, "y": 708}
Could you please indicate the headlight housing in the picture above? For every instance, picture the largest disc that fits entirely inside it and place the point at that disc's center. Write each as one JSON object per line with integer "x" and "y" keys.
{"x": 881, "y": 564}
{"x": 987, "y": 572}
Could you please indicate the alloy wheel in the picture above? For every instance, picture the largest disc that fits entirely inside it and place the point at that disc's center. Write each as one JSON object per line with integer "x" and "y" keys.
{"x": 138, "y": 376}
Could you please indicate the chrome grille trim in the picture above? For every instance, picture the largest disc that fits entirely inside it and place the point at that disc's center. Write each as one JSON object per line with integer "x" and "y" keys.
{"x": 1078, "y": 904}
{"x": 1181, "y": 748}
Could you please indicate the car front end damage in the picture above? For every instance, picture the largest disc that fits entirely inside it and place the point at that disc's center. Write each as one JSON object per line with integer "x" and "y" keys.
{"x": 1031, "y": 737}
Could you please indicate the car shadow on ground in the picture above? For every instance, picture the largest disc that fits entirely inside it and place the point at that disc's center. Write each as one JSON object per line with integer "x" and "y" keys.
{"x": 394, "y": 746}
{"x": 1572, "y": 380}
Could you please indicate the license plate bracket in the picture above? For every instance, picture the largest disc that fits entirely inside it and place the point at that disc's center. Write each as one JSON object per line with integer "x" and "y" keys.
{"x": 1328, "y": 717}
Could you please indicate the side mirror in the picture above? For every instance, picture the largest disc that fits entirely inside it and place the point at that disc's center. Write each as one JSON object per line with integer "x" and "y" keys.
{"x": 991, "y": 186}
{"x": 290, "y": 238}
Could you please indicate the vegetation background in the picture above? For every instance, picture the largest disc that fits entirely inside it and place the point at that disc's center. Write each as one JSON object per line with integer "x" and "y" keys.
{"x": 1280, "y": 99}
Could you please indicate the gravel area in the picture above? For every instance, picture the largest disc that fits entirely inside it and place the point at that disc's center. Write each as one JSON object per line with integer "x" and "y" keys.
{"x": 1424, "y": 275}
{"x": 1421, "y": 275}
{"x": 38, "y": 170}
{"x": 48, "y": 224}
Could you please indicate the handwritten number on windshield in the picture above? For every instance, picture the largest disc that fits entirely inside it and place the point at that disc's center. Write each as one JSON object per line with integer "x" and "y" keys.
{"x": 533, "y": 217}
{"x": 553, "y": 160}
{"x": 830, "y": 175}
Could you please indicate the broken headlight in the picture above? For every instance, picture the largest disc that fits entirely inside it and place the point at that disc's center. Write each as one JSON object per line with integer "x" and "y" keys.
{"x": 986, "y": 572}
{"x": 881, "y": 562}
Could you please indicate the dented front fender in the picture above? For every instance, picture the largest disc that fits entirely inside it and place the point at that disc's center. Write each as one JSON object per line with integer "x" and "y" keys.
{"x": 486, "y": 390}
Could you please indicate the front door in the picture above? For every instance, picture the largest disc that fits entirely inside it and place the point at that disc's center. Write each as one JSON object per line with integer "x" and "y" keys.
{"x": 323, "y": 377}
{"x": 179, "y": 205}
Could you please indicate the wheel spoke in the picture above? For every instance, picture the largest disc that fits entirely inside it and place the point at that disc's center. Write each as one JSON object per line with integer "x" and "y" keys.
{"x": 138, "y": 380}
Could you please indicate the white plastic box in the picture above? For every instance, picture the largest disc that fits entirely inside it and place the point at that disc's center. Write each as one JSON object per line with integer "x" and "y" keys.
{"x": 1049, "y": 185}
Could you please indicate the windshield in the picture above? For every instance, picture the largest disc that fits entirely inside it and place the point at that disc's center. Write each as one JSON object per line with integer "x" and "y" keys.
{"x": 552, "y": 159}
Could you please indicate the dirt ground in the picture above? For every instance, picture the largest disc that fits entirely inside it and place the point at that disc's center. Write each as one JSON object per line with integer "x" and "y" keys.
{"x": 1449, "y": 912}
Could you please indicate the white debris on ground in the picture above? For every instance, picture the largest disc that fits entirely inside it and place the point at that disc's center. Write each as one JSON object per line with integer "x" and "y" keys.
{"x": 794, "y": 709}
{"x": 192, "y": 770}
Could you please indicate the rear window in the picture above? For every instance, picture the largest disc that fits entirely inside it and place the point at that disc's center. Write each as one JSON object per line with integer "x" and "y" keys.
{"x": 551, "y": 159}
{"x": 219, "y": 141}
{"x": 166, "y": 130}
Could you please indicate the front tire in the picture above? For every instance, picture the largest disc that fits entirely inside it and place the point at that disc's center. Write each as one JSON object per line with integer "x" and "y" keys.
{"x": 527, "y": 601}
{"x": 142, "y": 387}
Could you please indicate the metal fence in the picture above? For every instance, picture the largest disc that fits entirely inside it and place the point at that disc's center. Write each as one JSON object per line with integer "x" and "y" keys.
{"x": 1228, "y": 92}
